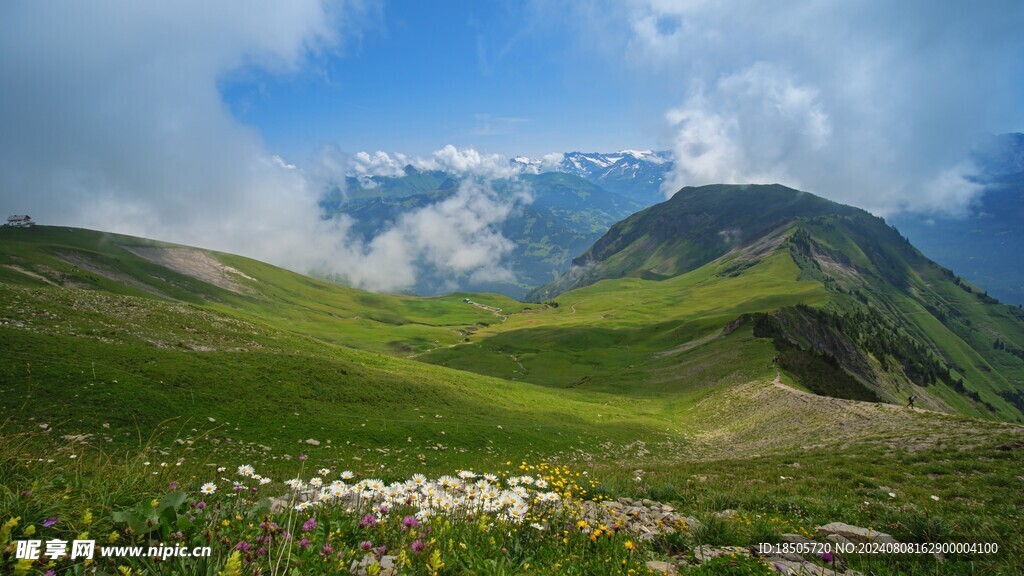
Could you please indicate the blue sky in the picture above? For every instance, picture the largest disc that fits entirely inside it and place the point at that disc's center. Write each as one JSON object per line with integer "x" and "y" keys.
{"x": 420, "y": 75}
{"x": 904, "y": 89}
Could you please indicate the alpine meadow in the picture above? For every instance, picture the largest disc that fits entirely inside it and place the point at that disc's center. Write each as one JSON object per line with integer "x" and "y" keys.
{"x": 782, "y": 333}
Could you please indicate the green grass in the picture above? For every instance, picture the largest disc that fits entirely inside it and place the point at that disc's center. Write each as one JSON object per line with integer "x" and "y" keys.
{"x": 283, "y": 300}
{"x": 944, "y": 493}
{"x": 623, "y": 375}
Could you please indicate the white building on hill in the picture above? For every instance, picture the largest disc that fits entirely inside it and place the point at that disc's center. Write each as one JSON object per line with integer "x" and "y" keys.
{"x": 20, "y": 220}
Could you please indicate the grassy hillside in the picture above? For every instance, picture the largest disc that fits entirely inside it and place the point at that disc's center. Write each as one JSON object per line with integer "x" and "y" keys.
{"x": 115, "y": 264}
{"x": 130, "y": 364}
{"x": 694, "y": 227}
{"x": 849, "y": 306}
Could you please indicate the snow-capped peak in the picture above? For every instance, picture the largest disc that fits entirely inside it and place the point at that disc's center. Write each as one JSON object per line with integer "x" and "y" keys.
{"x": 638, "y": 154}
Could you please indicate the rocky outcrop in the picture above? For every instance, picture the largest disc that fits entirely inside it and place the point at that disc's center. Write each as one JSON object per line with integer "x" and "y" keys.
{"x": 854, "y": 534}
{"x": 645, "y": 518}
{"x": 648, "y": 519}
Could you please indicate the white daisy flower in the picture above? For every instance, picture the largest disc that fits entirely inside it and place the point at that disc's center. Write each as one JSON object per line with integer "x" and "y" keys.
{"x": 208, "y": 488}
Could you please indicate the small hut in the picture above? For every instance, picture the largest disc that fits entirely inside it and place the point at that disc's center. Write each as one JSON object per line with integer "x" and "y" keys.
{"x": 20, "y": 221}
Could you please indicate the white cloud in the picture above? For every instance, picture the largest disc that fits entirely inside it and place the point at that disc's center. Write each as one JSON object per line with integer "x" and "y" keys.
{"x": 378, "y": 164}
{"x": 112, "y": 119}
{"x": 751, "y": 127}
{"x": 457, "y": 239}
{"x": 875, "y": 103}
{"x": 452, "y": 159}
{"x": 469, "y": 161}
{"x": 117, "y": 122}
{"x": 552, "y": 161}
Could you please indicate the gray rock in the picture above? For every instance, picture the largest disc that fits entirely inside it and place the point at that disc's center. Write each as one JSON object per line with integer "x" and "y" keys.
{"x": 692, "y": 523}
{"x": 837, "y": 539}
{"x": 726, "y": 514}
{"x": 795, "y": 539}
{"x": 854, "y": 533}
{"x": 663, "y": 567}
{"x": 794, "y": 567}
{"x": 705, "y": 552}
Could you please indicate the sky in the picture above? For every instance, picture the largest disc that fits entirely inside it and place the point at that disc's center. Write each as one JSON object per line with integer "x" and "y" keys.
{"x": 220, "y": 124}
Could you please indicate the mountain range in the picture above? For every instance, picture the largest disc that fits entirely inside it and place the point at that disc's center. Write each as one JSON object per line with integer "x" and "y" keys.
{"x": 565, "y": 215}
{"x": 572, "y": 204}
{"x": 637, "y": 174}
{"x": 578, "y": 198}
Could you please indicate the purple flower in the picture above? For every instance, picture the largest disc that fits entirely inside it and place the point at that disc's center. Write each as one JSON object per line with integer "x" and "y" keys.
{"x": 368, "y": 520}
{"x": 366, "y": 545}
{"x": 384, "y": 510}
{"x": 244, "y": 546}
{"x": 303, "y": 457}
{"x": 49, "y": 573}
{"x": 304, "y": 543}
{"x": 309, "y": 525}
{"x": 327, "y": 550}
{"x": 50, "y": 522}
{"x": 418, "y": 546}
{"x": 828, "y": 557}
{"x": 239, "y": 488}
{"x": 780, "y": 568}
{"x": 173, "y": 485}
{"x": 261, "y": 552}
{"x": 409, "y": 522}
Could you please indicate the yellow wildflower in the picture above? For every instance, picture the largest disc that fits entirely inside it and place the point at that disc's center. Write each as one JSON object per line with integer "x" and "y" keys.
{"x": 23, "y": 566}
{"x": 233, "y": 566}
{"x": 5, "y": 530}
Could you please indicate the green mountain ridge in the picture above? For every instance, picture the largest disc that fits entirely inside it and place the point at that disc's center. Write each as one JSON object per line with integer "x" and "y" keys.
{"x": 689, "y": 230}
{"x": 888, "y": 317}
